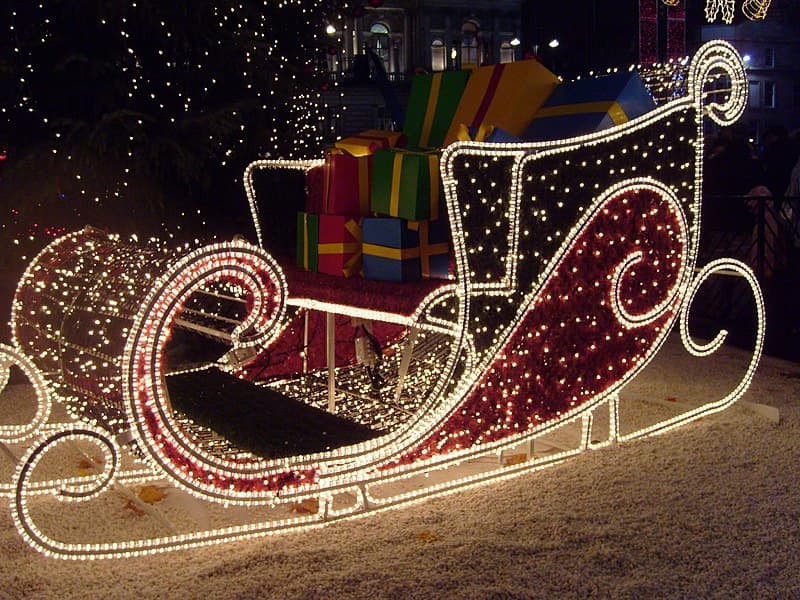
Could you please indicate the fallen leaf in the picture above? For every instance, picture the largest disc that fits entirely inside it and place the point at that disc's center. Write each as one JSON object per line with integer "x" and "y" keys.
{"x": 515, "y": 459}
{"x": 426, "y": 536}
{"x": 151, "y": 494}
{"x": 309, "y": 506}
{"x": 86, "y": 466}
{"x": 131, "y": 506}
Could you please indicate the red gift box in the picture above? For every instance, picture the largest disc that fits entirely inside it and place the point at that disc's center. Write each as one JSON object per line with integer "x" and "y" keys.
{"x": 367, "y": 142}
{"x": 339, "y": 245}
{"x": 348, "y": 179}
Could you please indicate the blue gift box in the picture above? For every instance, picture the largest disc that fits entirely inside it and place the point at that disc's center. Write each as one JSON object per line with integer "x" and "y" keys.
{"x": 399, "y": 250}
{"x": 434, "y": 248}
{"x": 588, "y": 105}
{"x": 390, "y": 249}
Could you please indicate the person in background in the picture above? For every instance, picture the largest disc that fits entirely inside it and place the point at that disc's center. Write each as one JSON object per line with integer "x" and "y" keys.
{"x": 778, "y": 155}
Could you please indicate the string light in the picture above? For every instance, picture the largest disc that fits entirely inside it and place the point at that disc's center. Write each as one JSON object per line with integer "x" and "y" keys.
{"x": 574, "y": 259}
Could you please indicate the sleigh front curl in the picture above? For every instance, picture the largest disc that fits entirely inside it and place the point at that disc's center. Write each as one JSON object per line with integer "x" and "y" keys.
{"x": 574, "y": 260}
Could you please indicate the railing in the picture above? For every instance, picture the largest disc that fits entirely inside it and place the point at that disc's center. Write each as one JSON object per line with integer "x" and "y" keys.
{"x": 764, "y": 233}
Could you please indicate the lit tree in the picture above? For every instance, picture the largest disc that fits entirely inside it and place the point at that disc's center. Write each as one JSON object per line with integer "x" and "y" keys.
{"x": 138, "y": 115}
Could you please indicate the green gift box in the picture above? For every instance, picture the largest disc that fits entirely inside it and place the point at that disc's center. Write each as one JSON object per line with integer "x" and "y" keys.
{"x": 406, "y": 183}
{"x": 307, "y": 241}
{"x": 432, "y": 103}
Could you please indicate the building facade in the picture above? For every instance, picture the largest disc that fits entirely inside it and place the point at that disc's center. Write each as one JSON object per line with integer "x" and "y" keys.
{"x": 771, "y": 49}
{"x": 404, "y": 37}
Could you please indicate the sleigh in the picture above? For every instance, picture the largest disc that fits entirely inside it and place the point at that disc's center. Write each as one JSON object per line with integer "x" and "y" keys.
{"x": 574, "y": 260}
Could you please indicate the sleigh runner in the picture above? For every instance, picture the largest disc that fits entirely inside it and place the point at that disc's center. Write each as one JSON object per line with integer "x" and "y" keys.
{"x": 574, "y": 259}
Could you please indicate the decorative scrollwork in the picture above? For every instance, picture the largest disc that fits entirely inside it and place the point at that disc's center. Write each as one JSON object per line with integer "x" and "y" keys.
{"x": 84, "y": 488}
{"x": 712, "y": 59}
{"x": 16, "y": 433}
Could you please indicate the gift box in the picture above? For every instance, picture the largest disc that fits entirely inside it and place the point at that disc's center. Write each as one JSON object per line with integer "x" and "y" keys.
{"x": 434, "y": 248}
{"x": 486, "y": 133}
{"x": 367, "y": 142}
{"x": 315, "y": 185}
{"x": 587, "y": 105}
{"x": 505, "y": 95}
{"x": 347, "y": 186}
{"x": 432, "y": 102}
{"x": 307, "y": 240}
{"x": 391, "y": 249}
{"x": 339, "y": 246}
{"x": 406, "y": 183}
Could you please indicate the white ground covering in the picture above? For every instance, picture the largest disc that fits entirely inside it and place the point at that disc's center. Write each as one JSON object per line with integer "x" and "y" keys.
{"x": 708, "y": 510}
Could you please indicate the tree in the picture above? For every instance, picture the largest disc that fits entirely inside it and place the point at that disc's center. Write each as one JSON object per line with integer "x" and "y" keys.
{"x": 136, "y": 116}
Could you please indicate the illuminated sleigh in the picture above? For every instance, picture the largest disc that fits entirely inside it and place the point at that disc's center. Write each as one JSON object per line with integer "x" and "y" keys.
{"x": 574, "y": 260}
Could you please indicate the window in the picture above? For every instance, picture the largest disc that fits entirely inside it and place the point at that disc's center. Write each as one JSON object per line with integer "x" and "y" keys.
{"x": 438, "y": 58}
{"x": 506, "y": 52}
{"x": 769, "y": 57}
{"x": 754, "y": 94}
{"x": 470, "y": 48}
{"x": 379, "y": 43}
{"x": 769, "y": 94}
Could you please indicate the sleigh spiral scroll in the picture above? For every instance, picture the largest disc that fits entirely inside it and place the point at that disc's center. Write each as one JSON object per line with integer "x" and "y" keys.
{"x": 714, "y": 64}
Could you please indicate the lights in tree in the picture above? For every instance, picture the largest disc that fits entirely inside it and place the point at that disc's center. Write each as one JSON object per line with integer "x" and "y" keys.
{"x": 574, "y": 260}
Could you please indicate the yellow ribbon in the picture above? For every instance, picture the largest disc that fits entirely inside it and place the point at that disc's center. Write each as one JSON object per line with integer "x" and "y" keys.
{"x": 433, "y": 182}
{"x": 613, "y": 109}
{"x": 354, "y": 229}
{"x": 391, "y": 253}
{"x": 484, "y": 131}
{"x": 426, "y": 250}
{"x": 430, "y": 110}
{"x": 394, "y": 198}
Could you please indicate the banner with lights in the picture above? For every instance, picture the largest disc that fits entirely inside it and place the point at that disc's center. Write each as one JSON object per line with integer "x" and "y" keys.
{"x": 574, "y": 259}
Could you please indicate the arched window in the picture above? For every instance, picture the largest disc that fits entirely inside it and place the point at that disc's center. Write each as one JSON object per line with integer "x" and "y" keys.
{"x": 506, "y": 52}
{"x": 380, "y": 43}
{"x": 470, "y": 47}
{"x": 438, "y": 58}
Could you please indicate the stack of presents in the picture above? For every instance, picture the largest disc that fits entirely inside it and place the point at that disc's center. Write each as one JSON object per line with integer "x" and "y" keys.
{"x": 375, "y": 208}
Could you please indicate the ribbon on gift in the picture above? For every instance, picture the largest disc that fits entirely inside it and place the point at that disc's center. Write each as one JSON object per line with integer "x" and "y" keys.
{"x": 366, "y": 142}
{"x": 305, "y": 242}
{"x": 430, "y": 110}
{"x": 488, "y": 96}
{"x": 614, "y": 110}
{"x": 482, "y": 132}
{"x": 426, "y": 249}
{"x": 342, "y": 248}
{"x": 433, "y": 180}
{"x": 391, "y": 253}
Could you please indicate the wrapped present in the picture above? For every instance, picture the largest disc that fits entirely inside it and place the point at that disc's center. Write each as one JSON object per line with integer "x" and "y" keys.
{"x": 505, "y": 95}
{"x": 391, "y": 249}
{"x": 315, "y": 184}
{"x": 339, "y": 246}
{"x": 434, "y": 248}
{"x": 307, "y": 240}
{"x": 346, "y": 190}
{"x": 432, "y": 103}
{"x": 367, "y": 142}
{"x": 486, "y": 133}
{"x": 587, "y": 105}
{"x": 406, "y": 183}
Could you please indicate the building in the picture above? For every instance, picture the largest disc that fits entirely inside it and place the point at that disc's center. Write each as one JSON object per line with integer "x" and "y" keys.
{"x": 404, "y": 37}
{"x": 771, "y": 49}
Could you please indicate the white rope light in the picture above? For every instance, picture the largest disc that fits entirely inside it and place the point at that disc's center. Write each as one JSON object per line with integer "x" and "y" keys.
{"x": 574, "y": 260}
